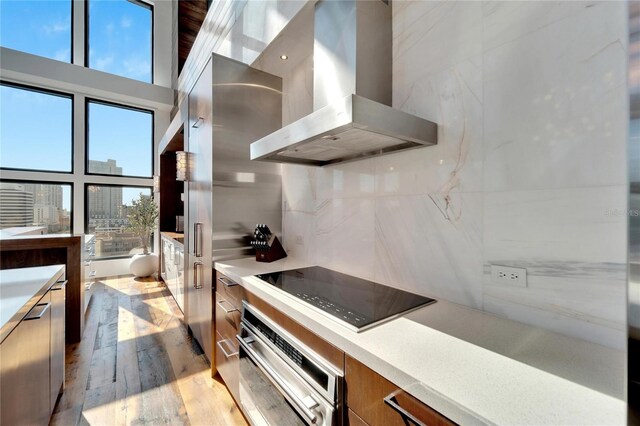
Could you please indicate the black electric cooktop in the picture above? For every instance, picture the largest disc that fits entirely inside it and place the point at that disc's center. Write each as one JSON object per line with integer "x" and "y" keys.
{"x": 359, "y": 303}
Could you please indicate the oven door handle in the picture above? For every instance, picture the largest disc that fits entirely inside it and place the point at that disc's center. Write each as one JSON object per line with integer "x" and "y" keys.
{"x": 277, "y": 380}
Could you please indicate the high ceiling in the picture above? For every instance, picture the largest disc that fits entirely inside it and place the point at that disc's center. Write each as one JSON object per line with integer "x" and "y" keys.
{"x": 191, "y": 14}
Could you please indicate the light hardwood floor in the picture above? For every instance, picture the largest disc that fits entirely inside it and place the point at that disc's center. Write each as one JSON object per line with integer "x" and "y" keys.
{"x": 136, "y": 364}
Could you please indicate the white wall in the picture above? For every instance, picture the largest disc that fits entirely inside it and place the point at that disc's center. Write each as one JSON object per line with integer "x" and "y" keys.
{"x": 529, "y": 170}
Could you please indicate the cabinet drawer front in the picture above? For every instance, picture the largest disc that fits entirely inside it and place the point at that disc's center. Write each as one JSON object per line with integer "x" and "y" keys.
{"x": 230, "y": 290}
{"x": 354, "y": 420}
{"x": 367, "y": 390}
{"x": 227, "y": 318}
{"x": 226, "y": 356}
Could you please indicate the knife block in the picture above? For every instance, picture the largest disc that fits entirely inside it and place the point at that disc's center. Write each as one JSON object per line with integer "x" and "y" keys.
{"x": 273, "y": 252}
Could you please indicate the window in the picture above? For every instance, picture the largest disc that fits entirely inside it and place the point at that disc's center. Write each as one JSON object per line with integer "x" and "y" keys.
{"x": 119, "y": 140}
{"x": 120, "y": 38}
{"x": 36, "y": 130}
{"x": 34, "y": 208}
{"x": 38, "y": 27}
{"x": 106, "y": 216}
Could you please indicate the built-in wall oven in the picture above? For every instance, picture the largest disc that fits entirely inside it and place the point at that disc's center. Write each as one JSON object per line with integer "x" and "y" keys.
{"x": 282, "y": 381}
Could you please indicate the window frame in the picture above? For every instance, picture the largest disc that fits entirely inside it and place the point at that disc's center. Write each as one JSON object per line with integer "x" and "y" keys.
{"x": 48, "y": 182}
{"x": 87, "y": 156}
{"x": 72, "y": 123}
{"x": 86, "y": 211}
{"x": 87, "y": 40}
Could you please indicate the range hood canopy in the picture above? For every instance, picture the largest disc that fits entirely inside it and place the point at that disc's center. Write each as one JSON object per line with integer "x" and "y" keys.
{"x": 352, "y": 115}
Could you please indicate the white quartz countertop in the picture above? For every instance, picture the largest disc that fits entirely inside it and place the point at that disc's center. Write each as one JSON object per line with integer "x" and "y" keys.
{"x": 20, "y": 290}
{"x": 471, "y": 366}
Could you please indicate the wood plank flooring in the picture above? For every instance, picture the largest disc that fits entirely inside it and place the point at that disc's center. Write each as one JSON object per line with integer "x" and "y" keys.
{"x": 136, "y": 364}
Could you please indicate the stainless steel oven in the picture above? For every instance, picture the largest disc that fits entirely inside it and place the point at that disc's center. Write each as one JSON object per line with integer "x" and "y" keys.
{"x": 282, "y": 381}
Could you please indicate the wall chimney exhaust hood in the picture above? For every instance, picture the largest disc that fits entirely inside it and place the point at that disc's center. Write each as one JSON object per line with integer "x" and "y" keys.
{"x": 352, "y": 117}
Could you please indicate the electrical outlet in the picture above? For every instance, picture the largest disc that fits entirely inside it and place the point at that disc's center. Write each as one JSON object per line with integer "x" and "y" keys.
{"x": 508, "y": 275}
{"x": 299, "y": 240}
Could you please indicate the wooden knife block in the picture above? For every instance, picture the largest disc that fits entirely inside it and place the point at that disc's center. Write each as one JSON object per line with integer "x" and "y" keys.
{"x": 273, "y": 253}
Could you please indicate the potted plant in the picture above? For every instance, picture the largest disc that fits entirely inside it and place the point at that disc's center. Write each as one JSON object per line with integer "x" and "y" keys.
{"x": 143, "y": 219}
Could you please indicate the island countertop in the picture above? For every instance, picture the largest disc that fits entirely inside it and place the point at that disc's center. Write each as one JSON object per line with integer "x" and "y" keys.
{"x": 20, "y": 290}
{"x": 471, "y": 366}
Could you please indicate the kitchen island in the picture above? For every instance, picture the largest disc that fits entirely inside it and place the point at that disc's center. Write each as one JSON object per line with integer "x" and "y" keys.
{"x": 54, "y": 249}
{"x": 470, "y": 366}
{"x": 32, "y": 343}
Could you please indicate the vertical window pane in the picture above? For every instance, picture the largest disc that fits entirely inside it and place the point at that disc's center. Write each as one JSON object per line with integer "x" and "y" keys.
{"x": 119, "y": 140}
{"x": 38, "y": 27}
{"x": 107, "y": 211}
{"x": 120, "y": 38}
{"x": 36, "y": 130}
{"x": 33, "y": 208}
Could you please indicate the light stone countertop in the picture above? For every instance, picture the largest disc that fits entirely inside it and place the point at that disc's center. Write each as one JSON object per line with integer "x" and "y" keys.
{"x": 471, "y": 366}
{"x": 20, "y": 290}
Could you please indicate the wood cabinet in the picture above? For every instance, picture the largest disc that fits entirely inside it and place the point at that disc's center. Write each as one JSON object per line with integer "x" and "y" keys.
{"x": 366, "y": 391}
{"x": 32, "y": 361}
{"x": 228, "y": 312}
{"x": 24, "y": 355}
{"x": 57, "y": 348}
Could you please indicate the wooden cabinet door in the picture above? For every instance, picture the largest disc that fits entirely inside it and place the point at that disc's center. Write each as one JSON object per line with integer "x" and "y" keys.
{"x": 366, "y": 391}
{"x": 24, "y": 368}
{"x": 58, "y": 292}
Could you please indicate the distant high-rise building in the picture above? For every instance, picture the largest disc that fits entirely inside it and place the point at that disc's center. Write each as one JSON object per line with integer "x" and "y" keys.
{"x": 45, "y": 194}
{"x": 16, "y": 206}
{"x": 45, "y": 214}
{"x": 108, "y": 167}
{"x": 105, "y": 202}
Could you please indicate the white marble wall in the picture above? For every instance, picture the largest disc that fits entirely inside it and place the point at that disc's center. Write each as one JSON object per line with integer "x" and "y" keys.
{"x": 529, "y": 170}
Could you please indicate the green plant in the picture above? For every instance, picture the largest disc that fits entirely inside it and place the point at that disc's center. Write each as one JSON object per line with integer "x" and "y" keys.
{"x": 143, "y": 219}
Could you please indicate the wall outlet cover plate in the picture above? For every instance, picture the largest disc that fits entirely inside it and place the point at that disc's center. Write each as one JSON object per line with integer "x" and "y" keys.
{"x": 509, "y": 275}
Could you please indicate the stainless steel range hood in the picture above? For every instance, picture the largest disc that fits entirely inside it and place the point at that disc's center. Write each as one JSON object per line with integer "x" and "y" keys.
{"x": 352, "y": 115}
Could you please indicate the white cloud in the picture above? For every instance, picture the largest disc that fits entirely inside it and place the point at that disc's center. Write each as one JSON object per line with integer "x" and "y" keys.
{"x": 62, "y": 55}
{"x": 57, "y": 27}
{"x": 103, "y": 62}
{"x": 126, "y": 22}
{"x": 136, "y": 67}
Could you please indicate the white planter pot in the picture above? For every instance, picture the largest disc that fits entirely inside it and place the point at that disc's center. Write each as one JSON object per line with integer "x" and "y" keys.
{"x": 143, "y": 265}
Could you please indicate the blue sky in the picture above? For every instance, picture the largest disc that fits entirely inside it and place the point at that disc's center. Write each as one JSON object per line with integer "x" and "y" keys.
{"x": 119, "y": 33}
{"x": 35, "y": 130}
{"x": 123, "y": 135}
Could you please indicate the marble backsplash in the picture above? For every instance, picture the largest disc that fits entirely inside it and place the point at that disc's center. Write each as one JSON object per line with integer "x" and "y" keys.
{"x": 529, "y": 170}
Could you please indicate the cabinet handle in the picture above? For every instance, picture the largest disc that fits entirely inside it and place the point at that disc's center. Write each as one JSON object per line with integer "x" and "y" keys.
{"x": 196, "y": 275}
{"x": 59, "y": 285}
{"x": 227, "y": 282}
{"x": 43, "y": 309}
{"x": 198, "y": 122}
{"x": 407, "y": 417}
{"x": 226, "y": 311}
{"x": 226, "y": 354}
{"x": 197, "y": 239}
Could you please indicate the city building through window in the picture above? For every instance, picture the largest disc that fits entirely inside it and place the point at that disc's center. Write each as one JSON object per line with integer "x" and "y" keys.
{"x": 125, "y": 149}
{"x": 107, "y": 208}
{"x": 34, "y": 208}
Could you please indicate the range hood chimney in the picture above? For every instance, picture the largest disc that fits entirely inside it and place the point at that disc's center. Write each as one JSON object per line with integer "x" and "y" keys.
{"x": 352, "y": 117}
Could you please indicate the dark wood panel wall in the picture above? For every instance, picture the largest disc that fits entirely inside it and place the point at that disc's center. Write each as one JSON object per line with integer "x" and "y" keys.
{"x": 191, "y": 14}
{"x": 52, "y": 250}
